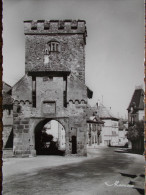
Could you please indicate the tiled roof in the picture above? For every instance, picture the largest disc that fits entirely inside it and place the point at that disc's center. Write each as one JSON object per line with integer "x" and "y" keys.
{"x": 105, "y": 113}
{"x": 137, "y": 101}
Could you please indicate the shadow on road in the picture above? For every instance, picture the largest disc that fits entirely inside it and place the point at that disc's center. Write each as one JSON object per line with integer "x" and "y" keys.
{"x": 137, "y": 181}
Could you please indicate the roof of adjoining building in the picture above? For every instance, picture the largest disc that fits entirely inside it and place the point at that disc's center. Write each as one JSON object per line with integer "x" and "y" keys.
{"x": 6, "y": 87}
{"x": 137, "y": 101}
{"x": 89, "y": 91}
{"x": 105, "y": 113}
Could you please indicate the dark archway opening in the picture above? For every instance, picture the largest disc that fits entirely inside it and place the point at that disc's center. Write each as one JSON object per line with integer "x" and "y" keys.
{"x": 50, "y": 138}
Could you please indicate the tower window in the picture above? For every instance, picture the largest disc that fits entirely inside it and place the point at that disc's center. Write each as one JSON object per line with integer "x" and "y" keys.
{"x": 34, "y": 92}
{"x": 53, "y": 46}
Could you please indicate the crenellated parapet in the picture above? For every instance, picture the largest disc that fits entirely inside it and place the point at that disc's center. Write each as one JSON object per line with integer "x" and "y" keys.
{"x": 77, "y": 102}
{"x": 22, "y": 108}
{"x": 22, "y": 102}
{"x": 55, "y": 26}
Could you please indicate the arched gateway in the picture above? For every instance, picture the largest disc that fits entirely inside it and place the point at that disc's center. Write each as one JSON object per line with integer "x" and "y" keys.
{"x": 50, "y": 138}
{"x": 42, "y": 128}
{"x": 53, "y": 87}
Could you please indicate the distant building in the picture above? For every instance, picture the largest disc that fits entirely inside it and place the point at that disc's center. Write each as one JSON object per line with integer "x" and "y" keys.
{"x": 57, "y": 130}
{"x": 136, "y": 107}
{"x": 61, "y": 139}
{"x": 136, "y": 121}
{"x": 110, "y": 130}
{"x": 94, "y": 129}
{"x": 123, "y": 129}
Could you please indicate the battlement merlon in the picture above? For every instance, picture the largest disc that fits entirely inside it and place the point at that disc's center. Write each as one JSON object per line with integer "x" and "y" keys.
{"x": 33, "y": 27}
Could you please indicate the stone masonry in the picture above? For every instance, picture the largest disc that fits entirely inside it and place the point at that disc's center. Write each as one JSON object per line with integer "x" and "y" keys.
{"x": 53, "y": 86}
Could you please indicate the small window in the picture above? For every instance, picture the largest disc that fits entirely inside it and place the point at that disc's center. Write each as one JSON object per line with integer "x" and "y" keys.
{"x": 57, "y": 46}
{"x": 19, "y": 109}
{"x": 53, "y": 46}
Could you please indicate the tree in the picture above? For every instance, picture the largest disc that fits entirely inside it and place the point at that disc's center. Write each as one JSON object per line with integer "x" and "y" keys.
{"x": 136, "y": 131}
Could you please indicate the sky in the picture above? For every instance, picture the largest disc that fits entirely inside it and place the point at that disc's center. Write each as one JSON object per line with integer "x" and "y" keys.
{"x": 114, "y": 53}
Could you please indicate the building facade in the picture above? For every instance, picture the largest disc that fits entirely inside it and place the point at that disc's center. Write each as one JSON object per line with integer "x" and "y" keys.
{"x": 136, "y": 121}
{"x": 55, "y": 129}
{"x": 110, "y": 130}
{"x": 53, "y": 87}
{"x": 123, "y": 129}
{"x": 94, "y": 131}
{"x": 136, "y": 107}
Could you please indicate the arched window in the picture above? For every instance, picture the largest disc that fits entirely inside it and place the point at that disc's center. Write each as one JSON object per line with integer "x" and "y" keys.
{"x": 53, "y": 46}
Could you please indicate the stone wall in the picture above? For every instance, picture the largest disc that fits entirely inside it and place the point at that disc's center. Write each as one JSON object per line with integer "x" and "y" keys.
{"x": 71, "y": 42}
{"x": 49, "y": 94}
{"x": 78, "y": 126}
{"x": 76, "y": 90}
{"x": 49, "y": 90}
{"x": 21, "y": 115}
{"x": 22, "y": 90}
{"x": 7, "y": 117}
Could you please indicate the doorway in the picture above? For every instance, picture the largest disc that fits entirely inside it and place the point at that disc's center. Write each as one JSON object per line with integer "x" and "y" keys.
{"x": 74, "y": 144}
{"x": 50, "y": 138}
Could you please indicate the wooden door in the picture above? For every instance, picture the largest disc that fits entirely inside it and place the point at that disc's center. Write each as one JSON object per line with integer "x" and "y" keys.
{"x": 74, "y": 144}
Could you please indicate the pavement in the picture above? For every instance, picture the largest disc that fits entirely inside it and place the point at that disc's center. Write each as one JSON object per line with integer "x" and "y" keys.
{"x": 100, "y": 173}
{"x": 13, "y": 166}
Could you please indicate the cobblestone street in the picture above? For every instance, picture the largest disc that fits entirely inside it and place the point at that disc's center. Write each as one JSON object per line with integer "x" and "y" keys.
{"x": 55, "y": 175}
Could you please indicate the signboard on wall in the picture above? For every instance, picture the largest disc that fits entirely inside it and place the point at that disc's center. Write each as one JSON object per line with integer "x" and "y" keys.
{"x": 49, "y": 107}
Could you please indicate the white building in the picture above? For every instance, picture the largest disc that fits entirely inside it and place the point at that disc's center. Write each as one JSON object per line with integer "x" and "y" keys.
{"x": 57, "y": 130}
{"x": 110, "y": 130}
{"x": 61, "y": 140}
{"x": 94, "y": 129}
{"x": 123, "y": 129}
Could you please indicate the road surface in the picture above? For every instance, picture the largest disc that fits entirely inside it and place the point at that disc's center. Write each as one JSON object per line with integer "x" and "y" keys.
{"x": 98, "y": 175}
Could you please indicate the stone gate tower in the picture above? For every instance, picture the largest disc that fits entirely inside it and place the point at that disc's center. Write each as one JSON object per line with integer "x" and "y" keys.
{"x": 53, "y": 86}
{"x": 55, "y": 46}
